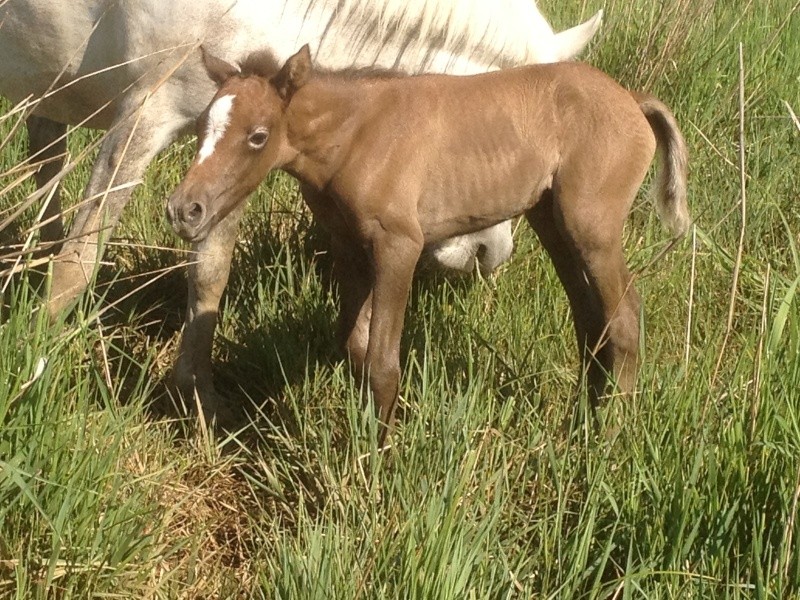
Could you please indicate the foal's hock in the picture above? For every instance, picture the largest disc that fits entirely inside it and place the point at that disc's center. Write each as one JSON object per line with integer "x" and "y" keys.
{"x": 392, "y": 164}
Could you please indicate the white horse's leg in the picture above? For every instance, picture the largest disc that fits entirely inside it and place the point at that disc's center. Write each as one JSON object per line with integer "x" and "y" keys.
{"x": 208, "y": 275}
{"x": 47, "y": 145}
{"x": 127, "y": 149}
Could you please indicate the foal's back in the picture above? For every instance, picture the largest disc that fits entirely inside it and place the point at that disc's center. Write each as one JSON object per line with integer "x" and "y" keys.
{"x": 473, "y": 151}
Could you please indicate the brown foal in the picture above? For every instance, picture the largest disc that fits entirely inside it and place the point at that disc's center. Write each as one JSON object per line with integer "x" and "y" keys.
{"x": 390, "y": 164}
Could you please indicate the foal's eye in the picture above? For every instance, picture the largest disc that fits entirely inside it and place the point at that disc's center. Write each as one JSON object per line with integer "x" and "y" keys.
{"x": 258, "y": 139}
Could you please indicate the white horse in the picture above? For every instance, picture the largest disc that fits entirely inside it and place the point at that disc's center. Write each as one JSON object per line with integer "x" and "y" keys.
{"x": 133, "y": 68}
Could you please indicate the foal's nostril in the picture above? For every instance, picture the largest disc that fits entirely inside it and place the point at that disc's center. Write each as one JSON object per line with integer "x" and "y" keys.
{"x": 194, "y": 213}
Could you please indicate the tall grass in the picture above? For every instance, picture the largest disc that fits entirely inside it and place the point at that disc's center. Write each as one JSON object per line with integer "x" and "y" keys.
{"x": 491, "y": 488}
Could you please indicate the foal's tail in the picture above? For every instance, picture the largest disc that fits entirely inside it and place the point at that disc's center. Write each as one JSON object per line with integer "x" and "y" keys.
{"x": 670, "y": 188}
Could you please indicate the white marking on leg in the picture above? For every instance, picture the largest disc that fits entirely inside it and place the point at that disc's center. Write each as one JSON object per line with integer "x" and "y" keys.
{"x": 219, "y": 115}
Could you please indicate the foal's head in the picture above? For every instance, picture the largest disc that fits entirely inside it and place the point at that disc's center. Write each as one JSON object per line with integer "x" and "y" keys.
{"x": 241, "y": 137}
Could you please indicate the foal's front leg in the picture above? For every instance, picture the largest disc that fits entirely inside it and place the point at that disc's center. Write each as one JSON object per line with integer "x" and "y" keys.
{"x": 353, "y": 271}
{"x": 394, "y": 255}
{"x": 354, "y": 277}
{"x": 208, "y": 276}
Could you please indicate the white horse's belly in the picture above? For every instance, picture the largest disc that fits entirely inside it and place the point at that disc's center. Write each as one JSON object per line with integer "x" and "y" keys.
{"x": 81, "y": 57}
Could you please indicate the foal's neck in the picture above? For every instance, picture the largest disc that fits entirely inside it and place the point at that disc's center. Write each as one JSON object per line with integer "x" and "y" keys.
{"x": 322, "y": 119}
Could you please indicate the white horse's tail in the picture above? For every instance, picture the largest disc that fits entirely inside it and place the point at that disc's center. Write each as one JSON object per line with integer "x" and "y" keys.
{"x": 571, "y": 42}
{"x": 670, "y": 185}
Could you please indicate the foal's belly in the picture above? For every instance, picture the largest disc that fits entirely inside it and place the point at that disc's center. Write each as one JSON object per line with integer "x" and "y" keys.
{"x": 466, "y": 208}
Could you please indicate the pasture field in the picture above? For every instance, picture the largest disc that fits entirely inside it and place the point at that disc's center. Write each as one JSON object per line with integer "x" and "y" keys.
{"x": 494, "y": 485}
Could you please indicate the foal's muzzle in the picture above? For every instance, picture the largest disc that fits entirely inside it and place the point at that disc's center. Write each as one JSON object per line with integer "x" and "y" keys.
{"x": 188, "y": 217}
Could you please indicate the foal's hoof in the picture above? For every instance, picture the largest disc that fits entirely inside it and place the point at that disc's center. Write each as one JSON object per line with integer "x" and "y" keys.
{"x": 209, "y": 406}
{"x": 219, "y": 412}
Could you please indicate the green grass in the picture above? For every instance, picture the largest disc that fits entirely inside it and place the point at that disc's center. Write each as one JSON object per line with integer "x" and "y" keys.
{"x": 491, "y": 489}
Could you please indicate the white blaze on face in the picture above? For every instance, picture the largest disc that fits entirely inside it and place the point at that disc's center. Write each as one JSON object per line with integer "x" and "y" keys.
{"x": 218, "y": 119}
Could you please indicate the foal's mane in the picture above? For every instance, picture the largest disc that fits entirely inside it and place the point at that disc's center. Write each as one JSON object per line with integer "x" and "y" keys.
{"x": 263, "y": 63}
{"x": 361, "y": 73}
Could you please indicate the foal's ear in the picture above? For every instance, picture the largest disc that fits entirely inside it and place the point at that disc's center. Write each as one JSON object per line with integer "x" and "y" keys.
{"x": 218, "y": 70}
{"x": 294, "y": 74}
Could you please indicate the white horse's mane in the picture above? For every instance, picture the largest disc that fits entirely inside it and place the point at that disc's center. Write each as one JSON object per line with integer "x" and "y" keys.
{"x": 496, "y": 34}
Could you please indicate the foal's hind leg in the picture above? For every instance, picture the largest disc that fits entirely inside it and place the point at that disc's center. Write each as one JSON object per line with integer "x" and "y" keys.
{"x": 586, "y": 315}
{"x": 605, "y": 307}
{"x": 617, "y": 346}
{"x": 47, "y": 145}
